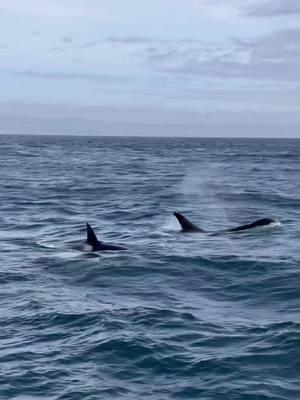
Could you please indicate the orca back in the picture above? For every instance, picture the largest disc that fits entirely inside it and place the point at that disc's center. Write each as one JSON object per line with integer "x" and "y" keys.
{"x": 256, "y": 224}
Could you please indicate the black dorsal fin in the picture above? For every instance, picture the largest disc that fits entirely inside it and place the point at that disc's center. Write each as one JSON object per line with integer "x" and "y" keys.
{"x": 186, "y": 225}
{"x": 91, "y": 237}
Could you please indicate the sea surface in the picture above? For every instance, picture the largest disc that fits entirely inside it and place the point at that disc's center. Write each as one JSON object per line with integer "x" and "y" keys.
{"x": 176, "y": 316}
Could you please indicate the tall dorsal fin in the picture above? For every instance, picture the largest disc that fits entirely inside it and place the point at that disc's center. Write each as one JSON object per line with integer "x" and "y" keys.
{"x": 91, "y": 237}
{"x": 186, "y": 225}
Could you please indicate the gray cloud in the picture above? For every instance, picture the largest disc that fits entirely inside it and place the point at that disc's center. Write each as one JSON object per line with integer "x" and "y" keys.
{"x": 91, "y": 43}
{"x": 67, "y": 39}
{"x": 271, "y": 8}
{"x": 145, "y": 40}
{"x": 136, "y": 40}
{"x": 271, "y": 98}
{"x": 264, "y": 70}
{"x": 130, "y": 40}
{"x": 273, "y": 57}
{"x": 55, "y": 48}
{"x": 74, "y": 76}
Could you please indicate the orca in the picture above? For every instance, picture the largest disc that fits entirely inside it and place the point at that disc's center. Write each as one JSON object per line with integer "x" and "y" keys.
{"x": 187, "y": 226}
{"x": 93, "y": 244}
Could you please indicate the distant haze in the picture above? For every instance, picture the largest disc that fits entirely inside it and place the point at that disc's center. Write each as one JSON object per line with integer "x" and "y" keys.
{"x": 150, "y": 67}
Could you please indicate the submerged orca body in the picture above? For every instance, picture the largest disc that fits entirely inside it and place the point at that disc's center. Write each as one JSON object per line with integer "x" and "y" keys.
{"x": 95, "y": 245}
{"x": 188, "y": 226}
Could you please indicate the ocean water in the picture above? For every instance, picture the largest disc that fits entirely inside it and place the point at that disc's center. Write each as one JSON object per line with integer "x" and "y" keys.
{"x": 177, "y": 316}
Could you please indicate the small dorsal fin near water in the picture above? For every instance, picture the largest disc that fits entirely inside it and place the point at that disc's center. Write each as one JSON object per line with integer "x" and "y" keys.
{"x": 91, "y": 238}
{"x": 96, "y": 245}
{"x": 186, "y": 225}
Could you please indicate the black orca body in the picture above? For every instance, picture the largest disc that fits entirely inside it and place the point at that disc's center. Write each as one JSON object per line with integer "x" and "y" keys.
{"x": 257, "y": 224}
{"x": 188, "y": 226}
{"x": 95, "y": 245}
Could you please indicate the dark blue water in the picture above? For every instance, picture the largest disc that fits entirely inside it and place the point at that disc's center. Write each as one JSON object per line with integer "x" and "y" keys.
{"x": 174, "y": 317}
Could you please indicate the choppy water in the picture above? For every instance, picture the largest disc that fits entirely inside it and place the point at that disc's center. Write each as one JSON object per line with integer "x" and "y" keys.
{"x": 176, "y": 316}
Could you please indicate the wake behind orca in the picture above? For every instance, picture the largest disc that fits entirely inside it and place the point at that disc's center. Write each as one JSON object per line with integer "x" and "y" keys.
{"x": 188, "y": 226}
{"x": 93, "y": 244}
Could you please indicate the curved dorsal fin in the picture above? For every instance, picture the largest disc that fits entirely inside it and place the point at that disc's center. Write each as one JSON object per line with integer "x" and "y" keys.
{"x": 91, "y": 237}
{"x": 186, "y": 225}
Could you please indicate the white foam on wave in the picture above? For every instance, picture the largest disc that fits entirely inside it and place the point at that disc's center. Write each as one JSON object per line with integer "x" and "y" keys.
{"x": 272, "y": 225}
{"x": 87, "y": 247}
{"x": 275, "y": 224}
{"x": 171, "y": 224}
{"x": 46, "y": 245}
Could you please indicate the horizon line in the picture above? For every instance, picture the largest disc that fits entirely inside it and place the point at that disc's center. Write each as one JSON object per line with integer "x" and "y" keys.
{"x": 148, "y": 136}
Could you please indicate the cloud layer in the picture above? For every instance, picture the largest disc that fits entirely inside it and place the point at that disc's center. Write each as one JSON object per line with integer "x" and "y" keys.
{"x": 176, "y": 60}
{"x": 274, "y": 8}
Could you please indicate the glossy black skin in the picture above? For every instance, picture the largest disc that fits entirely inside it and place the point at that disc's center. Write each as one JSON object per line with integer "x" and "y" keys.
{"x": 188, "y": 226}
{"x": 257, "y": 224}
{"x": 96, "y": 245}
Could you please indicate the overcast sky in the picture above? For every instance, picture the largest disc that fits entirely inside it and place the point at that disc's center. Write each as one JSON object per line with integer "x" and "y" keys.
{"x": 199, "y": 67}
